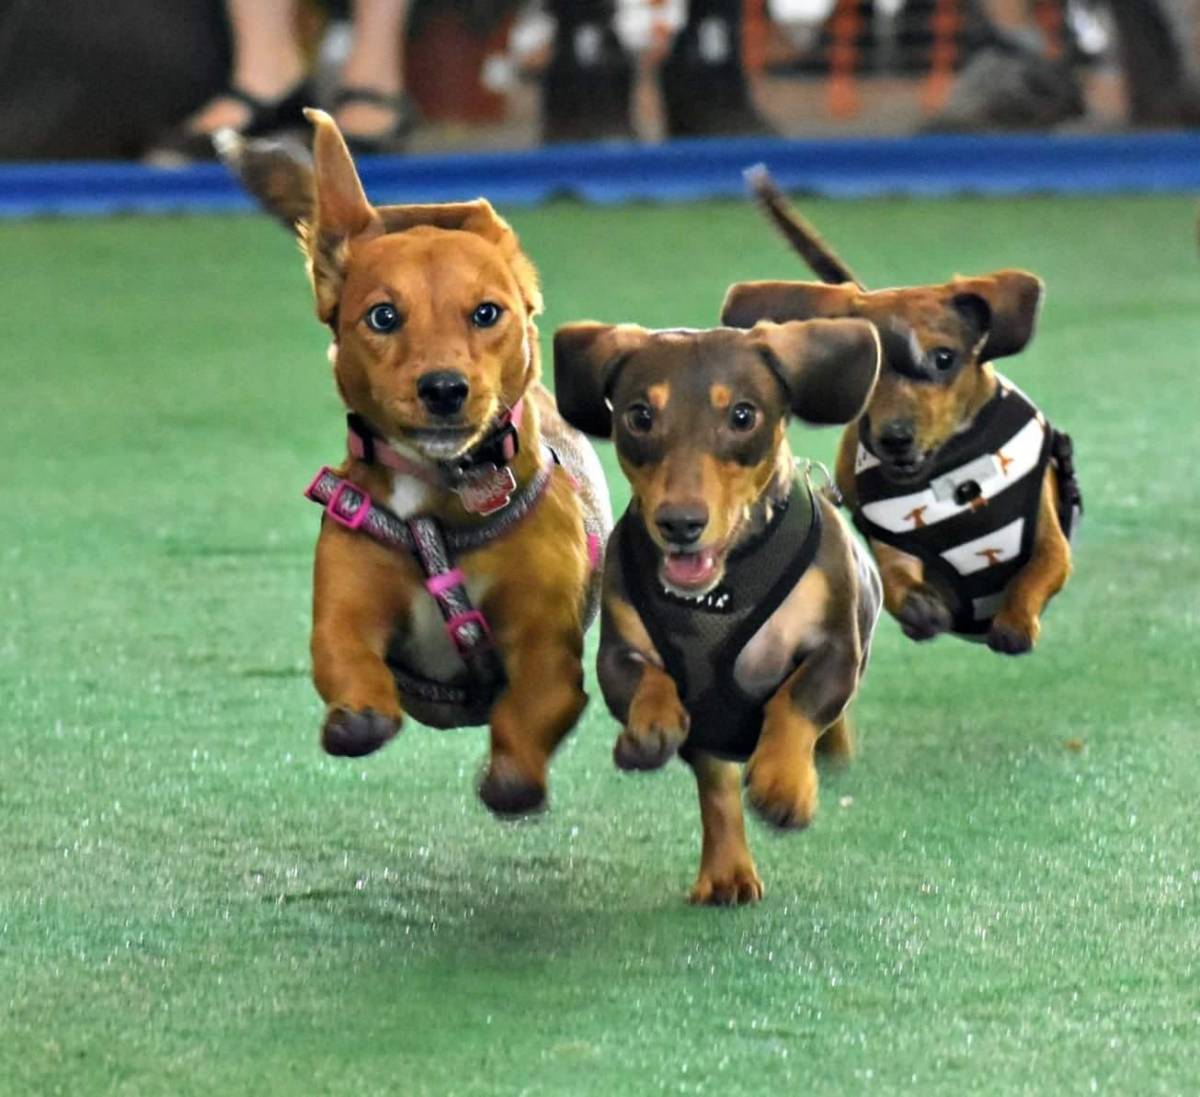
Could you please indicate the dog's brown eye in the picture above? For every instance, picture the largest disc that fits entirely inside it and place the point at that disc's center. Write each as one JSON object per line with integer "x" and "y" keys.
{"x": 486, "y": 315}
{"x": 943, "y": 359}
{"x": 382, "y": 318}
{"x": 743, "y": 416}
{"x": 639, "y": 418}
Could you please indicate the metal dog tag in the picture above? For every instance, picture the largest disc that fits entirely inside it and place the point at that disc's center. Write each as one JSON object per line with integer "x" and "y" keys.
{"x": 487, "y": 490}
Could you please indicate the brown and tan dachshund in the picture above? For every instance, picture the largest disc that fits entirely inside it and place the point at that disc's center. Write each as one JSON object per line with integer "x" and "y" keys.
{"x": 737, "y": 610}
{"x": 966, "y": 494}
{"x": 435, "y": 353}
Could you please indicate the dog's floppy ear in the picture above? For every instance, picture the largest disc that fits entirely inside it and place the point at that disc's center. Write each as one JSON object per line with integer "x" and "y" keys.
{"x": 1011, "y": 301}
{"x": 279, "y": 173}
{"x": 748, "y": 302}
{"x": 341, "y": 212}
{"x": 587, "y": 358}
{"x": 828, "y": 367}
{"x": 477, "y": 217}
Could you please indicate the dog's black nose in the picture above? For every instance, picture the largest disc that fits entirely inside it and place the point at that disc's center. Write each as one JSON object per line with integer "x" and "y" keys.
{"x": 897, "y": 437}
{"x": 681, "y": 525}
{"x": 443, "y": 392}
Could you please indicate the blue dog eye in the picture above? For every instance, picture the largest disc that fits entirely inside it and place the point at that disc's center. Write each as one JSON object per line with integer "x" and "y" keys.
{"x": 382, "y": 318}
{"x": 486, "y": 315}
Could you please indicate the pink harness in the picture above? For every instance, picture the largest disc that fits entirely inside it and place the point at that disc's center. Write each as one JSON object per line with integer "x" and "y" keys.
{"x": 492, "y": 486}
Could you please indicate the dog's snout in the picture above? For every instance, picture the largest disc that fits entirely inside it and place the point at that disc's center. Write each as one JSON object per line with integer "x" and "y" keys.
{"x": 681, "y": 524}
{"x": 443, "y": 392}
{"x": 897, "y": 437}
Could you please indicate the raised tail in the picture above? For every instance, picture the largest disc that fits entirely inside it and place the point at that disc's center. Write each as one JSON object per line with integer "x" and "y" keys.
{"x": 820, "y": 257}
{"x": 279, "y": 173}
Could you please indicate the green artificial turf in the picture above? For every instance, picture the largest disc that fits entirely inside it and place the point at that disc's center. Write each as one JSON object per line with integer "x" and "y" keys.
{"x": 193, "y": 899}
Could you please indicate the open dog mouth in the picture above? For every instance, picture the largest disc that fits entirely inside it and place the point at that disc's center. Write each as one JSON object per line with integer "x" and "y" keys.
{"x": 692, "y": 571}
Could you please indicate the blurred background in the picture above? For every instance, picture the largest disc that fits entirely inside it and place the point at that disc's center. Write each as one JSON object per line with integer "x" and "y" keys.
{"x": 131, "y": 79}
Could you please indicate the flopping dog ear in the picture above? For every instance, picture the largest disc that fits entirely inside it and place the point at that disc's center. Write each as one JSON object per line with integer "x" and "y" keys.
{"x": 746, "y": 303}
{"x": 341, "y": 213}
{"x": 1006, "y": 304}
{"x": 587, "y": 359}
{"x": 279, "y": 173}
{"x": 476, "y": 217}
{"x": 827, "y": 367}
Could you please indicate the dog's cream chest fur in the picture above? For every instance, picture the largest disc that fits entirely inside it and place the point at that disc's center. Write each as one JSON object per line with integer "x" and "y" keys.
{"x": 425, "y": 649}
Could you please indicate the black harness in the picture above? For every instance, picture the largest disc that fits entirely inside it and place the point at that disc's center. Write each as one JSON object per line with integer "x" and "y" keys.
{"x": 972, "y": 518}
{"x": 699, "y": 638}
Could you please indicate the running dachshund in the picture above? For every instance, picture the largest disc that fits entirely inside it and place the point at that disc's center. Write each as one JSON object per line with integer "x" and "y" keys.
{"x": 737, "y": 610}
{"x": 966, "y": 493}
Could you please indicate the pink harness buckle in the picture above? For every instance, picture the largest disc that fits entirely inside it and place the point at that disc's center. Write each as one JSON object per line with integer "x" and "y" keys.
{"x": 354, "y": 518}
{"x": 457, "y": 629}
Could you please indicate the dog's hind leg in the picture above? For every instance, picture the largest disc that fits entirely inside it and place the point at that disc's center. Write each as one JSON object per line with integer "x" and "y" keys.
{"x": 727, "y": 874}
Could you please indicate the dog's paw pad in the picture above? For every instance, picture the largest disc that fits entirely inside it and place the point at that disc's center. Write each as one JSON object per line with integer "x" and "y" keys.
{"x": 735, "y": 887}
{"x": 784, "y": 799}
{"x": 923, "y": 615}
{"x": 647, "y": 750}
{"x": 505, "y": 790}
{"x": 349, "y": 733}
{"x": 1009, "y": 639}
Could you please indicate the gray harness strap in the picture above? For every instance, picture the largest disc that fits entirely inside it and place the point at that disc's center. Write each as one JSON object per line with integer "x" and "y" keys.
{"x": 344, "y": 503}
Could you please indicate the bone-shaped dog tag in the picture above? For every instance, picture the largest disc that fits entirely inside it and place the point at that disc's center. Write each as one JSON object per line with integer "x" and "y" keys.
{"x": 487, "y": 490}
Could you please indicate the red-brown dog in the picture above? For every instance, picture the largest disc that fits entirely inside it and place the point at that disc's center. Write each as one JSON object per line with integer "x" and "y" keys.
{"x": 455, "y": 565}
{"x": 967, "y": 495}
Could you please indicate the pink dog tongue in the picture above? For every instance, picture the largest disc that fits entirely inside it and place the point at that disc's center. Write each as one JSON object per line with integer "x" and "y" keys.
{"x": 689, "y": 569}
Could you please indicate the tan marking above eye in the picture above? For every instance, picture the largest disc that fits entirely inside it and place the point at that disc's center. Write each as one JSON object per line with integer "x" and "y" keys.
{"x": 658, "y": 395}
{"x": 720, "y": 395}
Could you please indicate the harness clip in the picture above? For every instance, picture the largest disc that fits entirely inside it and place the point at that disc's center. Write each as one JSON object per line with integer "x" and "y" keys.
{"x": 348, "y": 518}
{"x": 829, "y": 488}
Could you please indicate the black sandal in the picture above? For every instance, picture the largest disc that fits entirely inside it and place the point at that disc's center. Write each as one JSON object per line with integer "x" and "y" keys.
{"x": 181, "y": 145}
{"x": 390, "y": 140}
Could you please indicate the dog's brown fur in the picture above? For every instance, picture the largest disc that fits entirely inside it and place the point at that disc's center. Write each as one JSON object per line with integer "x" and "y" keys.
{"x": 435, "y": 264}
{"x": 692, "y": 457}
{"x": 977, "y": 320}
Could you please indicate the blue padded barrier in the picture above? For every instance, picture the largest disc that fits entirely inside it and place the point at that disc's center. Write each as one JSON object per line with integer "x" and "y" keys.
{"x": 676, "y": 171}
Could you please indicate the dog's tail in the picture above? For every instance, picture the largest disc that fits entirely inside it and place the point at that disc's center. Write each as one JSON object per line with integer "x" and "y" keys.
{"x": 821, "y": 258}
{"x": 279, "y": 174}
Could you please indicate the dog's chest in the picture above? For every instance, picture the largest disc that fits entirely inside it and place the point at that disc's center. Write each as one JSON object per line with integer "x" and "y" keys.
{"x": 409, "y": 496}
{"x": 424, "y": 647}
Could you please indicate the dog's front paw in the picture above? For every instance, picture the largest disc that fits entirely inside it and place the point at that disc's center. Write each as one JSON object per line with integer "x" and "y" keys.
{"x": 923, "y": 615}
{"x": 1010, "y": 636}
{"x": 721, "y": 885}
{"x": 508, "y": 791}
{"x": 350, "y": 733}
{"x": 656, "y": 730}
{"x": 782, "y": 789}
